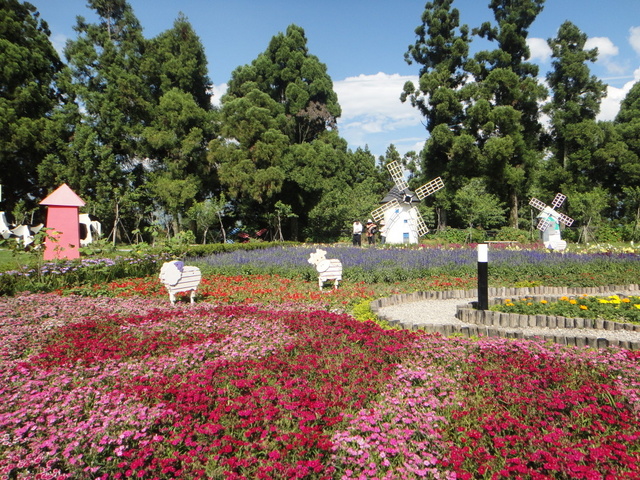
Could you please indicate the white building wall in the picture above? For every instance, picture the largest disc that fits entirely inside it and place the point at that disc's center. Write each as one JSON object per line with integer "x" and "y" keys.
{"x": 401, "y": 225}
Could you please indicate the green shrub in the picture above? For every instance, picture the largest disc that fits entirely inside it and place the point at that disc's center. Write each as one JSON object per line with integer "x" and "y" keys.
{"x": 510, "y": 234}
{"x": 363, "y": 313}
{"x": 451, "y": 235}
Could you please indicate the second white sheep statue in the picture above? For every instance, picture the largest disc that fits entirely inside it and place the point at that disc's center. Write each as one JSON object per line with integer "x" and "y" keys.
{"x": 178, "y": 277}
{"x": 330, "y": 269}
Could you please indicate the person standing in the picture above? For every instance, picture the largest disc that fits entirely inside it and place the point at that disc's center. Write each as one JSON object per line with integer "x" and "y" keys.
{"x": 383, "y": 232}
{"x": 372, "y": 229}
{"x": 357, "y": 234}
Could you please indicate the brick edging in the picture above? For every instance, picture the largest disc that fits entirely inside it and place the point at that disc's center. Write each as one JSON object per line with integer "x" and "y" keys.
{"x": 494, "y": 324}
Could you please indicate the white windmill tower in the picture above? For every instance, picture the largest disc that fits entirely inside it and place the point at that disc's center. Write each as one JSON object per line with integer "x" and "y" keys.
{"x": 402, "y": 219}
{"x": 550, "y": 220}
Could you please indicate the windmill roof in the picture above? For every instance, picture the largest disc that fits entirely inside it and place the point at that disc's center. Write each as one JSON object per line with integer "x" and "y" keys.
{"x": 63, "y": 196}
{"x": 397, "y": 194}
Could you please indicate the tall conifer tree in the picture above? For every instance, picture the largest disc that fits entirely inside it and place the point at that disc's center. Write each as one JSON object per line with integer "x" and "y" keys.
{"x": 575, "y": 102}
{"x": 28, "y": 95}
{"x": 510, "y": 133}
{"x": 105, "y": 61}
{"x": 442, "y": 50}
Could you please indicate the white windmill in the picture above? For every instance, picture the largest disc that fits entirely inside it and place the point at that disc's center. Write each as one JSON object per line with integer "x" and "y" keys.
{"x": 550, "y": 220}
{"x": 402, "y": 219}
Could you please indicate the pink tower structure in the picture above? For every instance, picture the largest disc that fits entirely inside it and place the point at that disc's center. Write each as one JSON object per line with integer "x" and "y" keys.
{"x": 63, "y": 220}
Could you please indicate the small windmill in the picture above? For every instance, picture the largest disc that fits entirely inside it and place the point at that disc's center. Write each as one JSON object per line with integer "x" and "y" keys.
{"x": 550, "y": 220}
{"x": 403, "y": 220}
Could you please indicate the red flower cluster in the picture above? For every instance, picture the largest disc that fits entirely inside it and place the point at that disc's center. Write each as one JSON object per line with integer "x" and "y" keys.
{"x": 534, "y": 415}
{"x": 258, "y": 417}
{"x": 115, "y": 338}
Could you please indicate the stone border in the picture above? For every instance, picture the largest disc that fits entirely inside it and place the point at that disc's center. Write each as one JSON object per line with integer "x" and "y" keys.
{"x": 499, "y": 324}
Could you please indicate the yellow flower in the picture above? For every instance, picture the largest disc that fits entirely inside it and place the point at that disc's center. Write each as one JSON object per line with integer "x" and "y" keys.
{"x": 637, "y": 305}
{"x": 543, "y": 301}
{"x": 602, "y": 300}
{"x": 584, "y": 307}
{"x": 566, "y": 299}
{"x": 573, "y": 302}
{"x": 529, "y": 304}
{"x": 509, "y": 304}
{"x": 626, "y": 300}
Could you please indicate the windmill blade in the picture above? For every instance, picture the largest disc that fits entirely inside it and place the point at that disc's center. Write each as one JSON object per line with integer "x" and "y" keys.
{"x": 378, "y": 213}
{"x": 429, "y": 188}
{"x": 397, "y": 173}
{"x": 535, "y": 203}
{"x": 543, "y": 224}
{"x": 420, "y": 224}
{"x": 558, "y": 200}
{"x": 565, "y": 219}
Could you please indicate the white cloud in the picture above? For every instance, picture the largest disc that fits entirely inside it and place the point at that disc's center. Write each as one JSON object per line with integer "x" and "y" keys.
{"x": 372, "y": 112}
{"x": 607, "y": 50}
{"x": 374, "y": 96}
{"x": 610, "y": 105}
{"x": 218, "y": 91}
{"x": 605, "y": 46}
{"x": 634, "y": 39}
{"x": 539, "y": 49}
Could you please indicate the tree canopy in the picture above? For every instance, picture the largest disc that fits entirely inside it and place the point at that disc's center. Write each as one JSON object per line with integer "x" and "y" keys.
{"x": 128, "y": 123}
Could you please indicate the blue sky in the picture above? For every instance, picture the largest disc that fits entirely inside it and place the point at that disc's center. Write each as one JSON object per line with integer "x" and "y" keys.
{"x": 362, "y": 43}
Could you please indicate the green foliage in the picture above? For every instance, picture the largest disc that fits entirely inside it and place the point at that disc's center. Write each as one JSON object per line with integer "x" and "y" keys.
{"x": 574, "y": 104}
{"x": 28, "y": 96}
{"x": 509, "y": 234}
{"x": 588, "y": 208}
{"x": 451, "y": 235}
{"x": 363, "y": 313}
{"x": 274, "y": 141}
{"x": 476, "y": 207}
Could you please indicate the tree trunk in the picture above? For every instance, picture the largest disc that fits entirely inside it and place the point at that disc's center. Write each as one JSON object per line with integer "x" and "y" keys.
{"x": 513, "y": 214}
{"x": 224, "y": 233}
{"x": 441, "y": 215}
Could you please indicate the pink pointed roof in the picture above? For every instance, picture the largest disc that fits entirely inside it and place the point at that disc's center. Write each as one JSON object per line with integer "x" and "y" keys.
{"x": 63, "y": 196}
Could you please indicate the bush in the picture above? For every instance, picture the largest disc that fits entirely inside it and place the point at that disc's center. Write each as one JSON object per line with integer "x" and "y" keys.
{"x": 510, "y": 234}
{"x": 451, "y": 235}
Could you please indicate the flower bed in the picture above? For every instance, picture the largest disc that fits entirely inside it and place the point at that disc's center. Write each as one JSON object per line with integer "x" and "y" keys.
{"x": 612, "y": 307}
{"x": 374, "y": 265}
{"x": 131, "y": 387}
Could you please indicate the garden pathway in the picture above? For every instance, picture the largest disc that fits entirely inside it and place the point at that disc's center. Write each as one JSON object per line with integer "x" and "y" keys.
{"x": 438, "y": 313}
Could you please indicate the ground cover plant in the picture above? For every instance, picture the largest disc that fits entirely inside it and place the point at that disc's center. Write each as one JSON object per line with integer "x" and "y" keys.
{"x": 613, "y": 307}
{"x": 265, "y": 377}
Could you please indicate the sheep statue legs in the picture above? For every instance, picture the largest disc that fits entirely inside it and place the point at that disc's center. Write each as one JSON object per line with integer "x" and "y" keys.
{"x": 178, "y": 277}
{"x": 330, "y": 269}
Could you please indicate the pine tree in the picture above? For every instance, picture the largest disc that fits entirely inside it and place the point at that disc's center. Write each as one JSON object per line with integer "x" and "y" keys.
{"x": 507, "y": 98}
{"x": 28, "y": 95}
{"x": 278, "y": 140}
{"x": 575, "y": 102}
{"x": 442, "y": 50}
{"x": 105, "y": 61}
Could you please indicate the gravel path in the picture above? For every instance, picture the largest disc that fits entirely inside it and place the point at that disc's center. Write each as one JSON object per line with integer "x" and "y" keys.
{"x": 442, "y": 312}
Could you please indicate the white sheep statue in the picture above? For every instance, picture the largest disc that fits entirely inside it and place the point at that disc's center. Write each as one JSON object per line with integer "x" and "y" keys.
{"x": 327, "y": 269}
{"x": 178, "y": 277}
